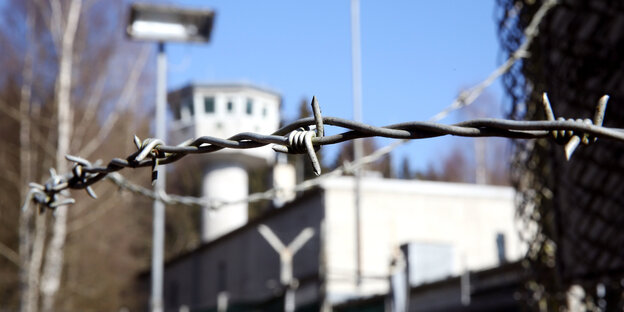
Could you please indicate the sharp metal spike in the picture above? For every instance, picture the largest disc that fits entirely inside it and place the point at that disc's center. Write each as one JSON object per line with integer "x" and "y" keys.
{"x": 37, "y": 186}
{"x": 137, "y": 142}
{"x": 147, "y": 148}
{"x": 316, "y": 110}
{"x": 63, "y": 202}
{"x": 91, "y": 192}
{"x": 600, "y": 110}
{"x": 312, "y": 154}
{"x": 280, "y": 148}
{"x": 547, "y": 107}
{"x": 571, "y": 146}
{"x": 72, "y": 158}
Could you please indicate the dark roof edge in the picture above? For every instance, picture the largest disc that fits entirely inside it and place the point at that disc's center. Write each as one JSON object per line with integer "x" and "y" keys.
{"x": 252, "y": 223}
{"x": 243, "y": 85}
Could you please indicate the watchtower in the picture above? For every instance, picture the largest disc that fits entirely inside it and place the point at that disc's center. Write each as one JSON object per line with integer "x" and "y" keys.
{"x": 223, "y": 110}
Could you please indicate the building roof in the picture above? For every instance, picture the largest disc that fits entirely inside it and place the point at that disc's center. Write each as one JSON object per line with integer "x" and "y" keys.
{"x": 173, "y": 97}
{"x": 251, "y": 224}
{"x": 421, "y": 187}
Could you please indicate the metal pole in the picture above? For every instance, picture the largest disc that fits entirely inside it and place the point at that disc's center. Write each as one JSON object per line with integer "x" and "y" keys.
{"x": 357, "y": 116}
{"x": 289, "y": 299}
{"x": 158, "y": 240}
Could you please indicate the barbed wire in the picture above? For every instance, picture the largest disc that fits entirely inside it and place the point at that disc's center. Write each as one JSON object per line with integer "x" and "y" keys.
{"x": 299, "y": 140}
{"x": 306, "y": 136}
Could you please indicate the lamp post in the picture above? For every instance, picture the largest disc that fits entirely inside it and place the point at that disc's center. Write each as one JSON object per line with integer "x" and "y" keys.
{"x": 358, "y": 149}
{"x": 163, "y": 24}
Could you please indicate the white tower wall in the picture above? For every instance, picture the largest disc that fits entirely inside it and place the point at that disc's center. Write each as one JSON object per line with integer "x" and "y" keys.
{"x": 222, "y": 110}
{"x": 224, "y": 182}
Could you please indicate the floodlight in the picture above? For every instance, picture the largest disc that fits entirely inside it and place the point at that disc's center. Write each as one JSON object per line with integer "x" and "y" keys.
{"x": 166, "y": 23}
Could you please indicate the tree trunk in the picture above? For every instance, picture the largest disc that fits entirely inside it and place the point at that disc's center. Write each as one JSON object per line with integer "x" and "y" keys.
{"x": 53, "y": 268}
{"x": 32, "y": 297}
{"x": 26, "y": 215}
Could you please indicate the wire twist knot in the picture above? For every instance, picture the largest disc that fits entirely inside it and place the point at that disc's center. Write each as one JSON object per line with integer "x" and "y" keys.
{"x": 149, "y": 148}
{"x": 81, "y": 177}
{"x": 569, "y": 137}
{"x": 300, "y": 140}
{"x": 48, "y": 195}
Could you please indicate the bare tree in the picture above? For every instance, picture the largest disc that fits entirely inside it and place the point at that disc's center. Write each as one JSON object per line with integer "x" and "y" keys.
{"x": 57, "y": 77}
{"x": 63, "y": 30}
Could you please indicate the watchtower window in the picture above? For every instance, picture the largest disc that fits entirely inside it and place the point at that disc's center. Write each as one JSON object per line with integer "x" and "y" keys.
{"x": 209, "y": 104}
{"x": 249, "y": 106}
{"x": 230, "y": 106}
{"x": 177, "y": 114}
{"x": 186, "y": 108}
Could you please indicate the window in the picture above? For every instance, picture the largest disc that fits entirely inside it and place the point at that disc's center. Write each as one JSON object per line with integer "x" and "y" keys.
{"x": 264, "y": 111}
{"x": 209, "y": 104}
{"x": 249, "y": 106}
{"x": 189, "y": 105}
{"x": 186, "y": 109}
{"x": 500, "y": 247}
{"x": 230, "y": 106}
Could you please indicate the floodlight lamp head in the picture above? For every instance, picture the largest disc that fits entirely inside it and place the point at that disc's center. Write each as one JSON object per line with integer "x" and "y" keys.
{"x": 165, "y": 23}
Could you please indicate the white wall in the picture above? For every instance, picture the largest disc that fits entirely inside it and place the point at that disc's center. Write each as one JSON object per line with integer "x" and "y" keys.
{"x": 264, "y": 119}
{"x": 224, "y": 182}
{"x": 394, "y": 212}
{"x": 226, "y": 170}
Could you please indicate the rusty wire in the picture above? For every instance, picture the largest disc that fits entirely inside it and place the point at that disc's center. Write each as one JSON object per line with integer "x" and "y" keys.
{"x": 303, "y": 136}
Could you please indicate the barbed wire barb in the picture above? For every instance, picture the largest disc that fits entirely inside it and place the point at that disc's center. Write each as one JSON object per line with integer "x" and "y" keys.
{"x": 569, "y": 138}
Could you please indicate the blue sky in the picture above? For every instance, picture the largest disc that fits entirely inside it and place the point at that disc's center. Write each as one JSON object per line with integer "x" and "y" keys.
{"x": 416, "y": 56}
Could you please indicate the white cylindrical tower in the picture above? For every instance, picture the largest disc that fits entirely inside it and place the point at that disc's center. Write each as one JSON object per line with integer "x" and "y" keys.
{"x": 223, "y": 110}
{"x": 224, "y": 182}
{"x": 284, "y": 181}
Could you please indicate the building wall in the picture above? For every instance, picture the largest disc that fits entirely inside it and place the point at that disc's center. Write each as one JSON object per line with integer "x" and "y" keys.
{"x": 221, "y": 111}
{"x": 223, "y": 123}
{"x": 394, "y": 212}
{"x": 244, "y": 265}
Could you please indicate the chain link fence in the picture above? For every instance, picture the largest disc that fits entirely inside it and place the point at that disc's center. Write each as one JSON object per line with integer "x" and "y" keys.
{"x": 570, "y": 211}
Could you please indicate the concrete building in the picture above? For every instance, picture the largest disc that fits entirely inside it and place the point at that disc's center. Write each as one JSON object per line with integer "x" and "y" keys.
{"x": 495, "y": 289}
{"x": 443, "y": 229}
{"x": 450, "y": 228}
{"x": 223, "y": 110}
{"x": 456, "y": 227}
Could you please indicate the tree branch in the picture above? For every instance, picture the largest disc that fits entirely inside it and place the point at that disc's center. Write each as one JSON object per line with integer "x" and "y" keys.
{"x": 10, "y": 254}
{"x": 122, "y": 102}
{"x": 56, "y": 22}
{"x": 90, "y": 111}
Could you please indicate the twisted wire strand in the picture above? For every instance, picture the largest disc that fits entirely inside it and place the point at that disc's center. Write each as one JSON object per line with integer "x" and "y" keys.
{"x": 88, "y": 174}
{"x": 155, "y": 152}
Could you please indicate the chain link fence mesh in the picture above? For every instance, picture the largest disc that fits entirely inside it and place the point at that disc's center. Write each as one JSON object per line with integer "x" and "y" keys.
{"x": 570, "y": 212}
